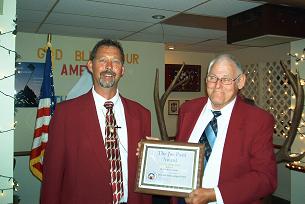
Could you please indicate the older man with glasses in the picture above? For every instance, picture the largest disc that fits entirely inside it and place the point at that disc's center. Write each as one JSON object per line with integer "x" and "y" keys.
{"x": 239, "y": 162}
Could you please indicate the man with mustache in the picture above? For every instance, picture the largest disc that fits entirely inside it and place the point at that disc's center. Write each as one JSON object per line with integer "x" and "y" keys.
{"x": 77, "y": 166}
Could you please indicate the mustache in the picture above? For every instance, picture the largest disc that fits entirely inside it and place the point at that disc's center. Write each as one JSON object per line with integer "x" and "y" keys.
{"x": 108, "y": 72}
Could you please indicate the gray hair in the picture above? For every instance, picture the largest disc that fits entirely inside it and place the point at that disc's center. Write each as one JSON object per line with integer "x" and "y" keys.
{"x": 226, "y": 57}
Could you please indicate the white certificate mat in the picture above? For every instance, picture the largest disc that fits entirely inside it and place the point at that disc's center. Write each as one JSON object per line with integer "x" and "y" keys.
{"x": 169, "y": 168}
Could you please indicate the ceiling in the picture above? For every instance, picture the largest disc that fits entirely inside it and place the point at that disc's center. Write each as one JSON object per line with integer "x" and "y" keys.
{"x": 189, "y": 25}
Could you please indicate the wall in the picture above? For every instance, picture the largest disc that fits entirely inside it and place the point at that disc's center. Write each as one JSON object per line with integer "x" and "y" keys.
{"x": 266, "y": 54}
{"x": 7, "y": 68}
{"x": 191, "y": 58}
{"x": 29, "y": 186}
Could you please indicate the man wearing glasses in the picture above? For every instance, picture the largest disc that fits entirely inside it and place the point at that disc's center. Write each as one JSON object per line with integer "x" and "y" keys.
{"x": 239, "y": 164}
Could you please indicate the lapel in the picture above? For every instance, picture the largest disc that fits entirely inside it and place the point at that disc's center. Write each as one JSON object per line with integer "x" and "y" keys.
{"x": 132, "y": 124}
{"x": 92, "y": 129}
{"x": 235, "y": 136}
{"x": 190, "y": 118}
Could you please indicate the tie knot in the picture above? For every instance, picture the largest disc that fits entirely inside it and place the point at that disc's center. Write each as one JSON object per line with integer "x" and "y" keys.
{"x": 216, "y": 113}
{"x": 108, "y": 104}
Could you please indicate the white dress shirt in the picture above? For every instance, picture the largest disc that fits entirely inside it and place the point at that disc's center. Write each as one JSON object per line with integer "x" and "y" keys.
{"x": 119, "y": 115}
{"x": 212, "y": 168}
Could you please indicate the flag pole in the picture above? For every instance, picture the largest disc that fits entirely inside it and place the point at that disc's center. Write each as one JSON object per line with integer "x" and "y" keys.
{"x": 45, "y": 110}
{"x": 49, "y": 39}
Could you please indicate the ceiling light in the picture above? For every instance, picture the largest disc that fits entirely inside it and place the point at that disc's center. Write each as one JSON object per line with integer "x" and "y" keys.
{"x": 171, "y": 47}
{"x": 158, "y": 17}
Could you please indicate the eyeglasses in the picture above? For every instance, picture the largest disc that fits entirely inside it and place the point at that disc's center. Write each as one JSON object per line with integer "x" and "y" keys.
{"x": 223, "y": 80}
{"x": 105, "y": 60}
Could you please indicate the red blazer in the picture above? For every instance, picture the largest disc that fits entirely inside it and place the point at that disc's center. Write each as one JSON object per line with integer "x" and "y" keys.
{"x": 248, "y": 169}
{"x": 76, "y": 169}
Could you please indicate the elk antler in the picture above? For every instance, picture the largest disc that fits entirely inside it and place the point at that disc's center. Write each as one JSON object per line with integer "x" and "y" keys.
{"x": 159, "y": 103}
{"x": 283, "y": 154}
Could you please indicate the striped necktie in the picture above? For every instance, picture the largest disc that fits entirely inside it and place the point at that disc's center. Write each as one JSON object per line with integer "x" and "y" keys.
{"x": 113, "y": 154}
{"x": 208, "y": 136}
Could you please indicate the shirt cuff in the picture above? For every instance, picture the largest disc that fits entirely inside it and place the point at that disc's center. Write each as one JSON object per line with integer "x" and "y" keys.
{"x": 219, "y": 199}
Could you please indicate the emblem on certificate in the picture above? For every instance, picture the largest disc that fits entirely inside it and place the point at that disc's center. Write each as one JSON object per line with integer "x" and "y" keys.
{"x": 169, "y": 168}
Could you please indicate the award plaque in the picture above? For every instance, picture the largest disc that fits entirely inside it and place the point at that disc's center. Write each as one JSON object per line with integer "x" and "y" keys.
{"x": 169, "y": 168}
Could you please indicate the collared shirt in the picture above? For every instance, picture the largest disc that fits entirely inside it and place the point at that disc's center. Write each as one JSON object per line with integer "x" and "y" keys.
{"x": 119, "y": 115}
{"x": 212, "y": 168}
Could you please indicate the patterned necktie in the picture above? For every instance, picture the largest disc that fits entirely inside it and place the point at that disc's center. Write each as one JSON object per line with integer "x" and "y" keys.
{"x": 209, "y": 135}
{"x": 113, "y": 154}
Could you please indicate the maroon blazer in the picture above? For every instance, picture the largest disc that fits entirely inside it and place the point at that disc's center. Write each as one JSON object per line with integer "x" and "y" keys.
{"x": 76, "y": 169}
{"x": 248, "y": 169}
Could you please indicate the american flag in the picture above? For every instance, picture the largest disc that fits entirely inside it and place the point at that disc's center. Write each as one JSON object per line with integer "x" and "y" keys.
{"x": 45, "y": 110}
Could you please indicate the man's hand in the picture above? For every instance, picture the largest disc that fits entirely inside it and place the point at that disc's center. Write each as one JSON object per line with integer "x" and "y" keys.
{"x": 201, "y": 196}
{"x": 139, "y": 143}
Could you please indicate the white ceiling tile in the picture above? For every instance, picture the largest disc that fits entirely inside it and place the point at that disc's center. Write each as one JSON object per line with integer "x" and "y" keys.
{"x": 108, "y": 10}
{"x": 30, "y": 15}
{"x": 154, "y": 37}
{"x": 171, "y": 5}
{"x": 78, "y": 31}
{"x": 171, "y": 30}
{"x": 39, "y": 5}
{"x": 27, "y": 27}
{"x": 96, "y": 22}
{"x": 176, "y": 34}
{"x": 216, "y": 45}
{"x": 180, "y": 39}
{"x": 222, "y": 8}
{"x": 193, "y": 32}
{"x": 144, "y": 37}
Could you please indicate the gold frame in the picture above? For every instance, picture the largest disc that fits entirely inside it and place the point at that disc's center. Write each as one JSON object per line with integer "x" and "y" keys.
{"x": 143, "y": 186}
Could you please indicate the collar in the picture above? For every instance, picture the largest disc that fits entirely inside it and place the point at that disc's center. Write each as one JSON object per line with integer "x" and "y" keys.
{"x": 227, "y": 109}
{"x": 100, "y": 100}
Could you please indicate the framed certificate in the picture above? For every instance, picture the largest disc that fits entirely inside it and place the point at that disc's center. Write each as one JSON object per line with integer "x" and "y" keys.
{"x": 169, "y": 168}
